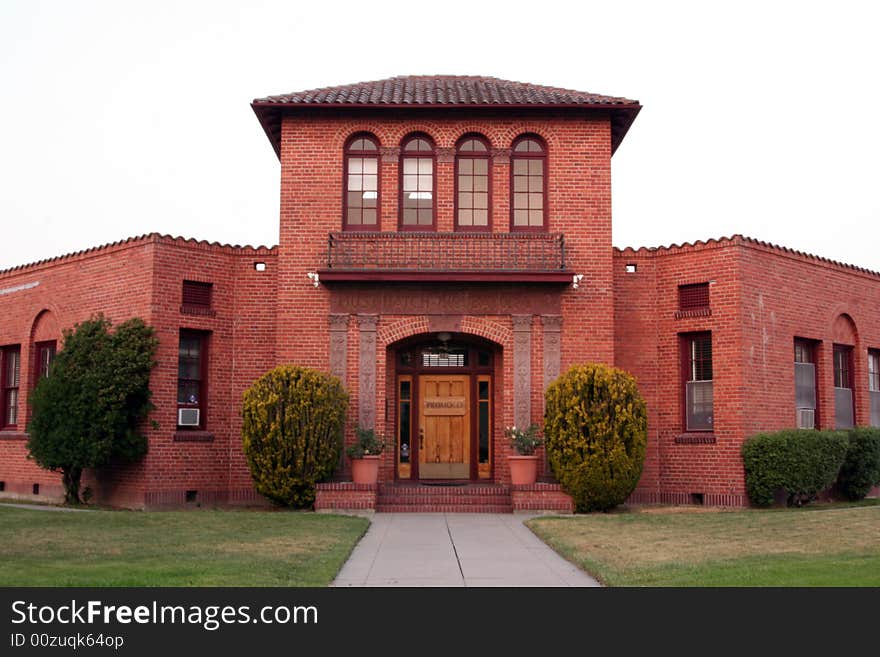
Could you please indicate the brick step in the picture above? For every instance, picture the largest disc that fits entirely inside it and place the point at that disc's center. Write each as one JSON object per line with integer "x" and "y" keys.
{"x": 444, "y": 508}
{"x": 473, "y": 498}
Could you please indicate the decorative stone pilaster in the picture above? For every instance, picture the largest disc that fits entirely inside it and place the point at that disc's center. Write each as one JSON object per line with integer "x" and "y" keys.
{"x": 522, "y": 370}
{"x": 552, "y": 347}
{"x": 389, "y": 153}
{"x": 501, "y": 155}
{"x": 339, "y": 346}
{"x": 367, "y": 370}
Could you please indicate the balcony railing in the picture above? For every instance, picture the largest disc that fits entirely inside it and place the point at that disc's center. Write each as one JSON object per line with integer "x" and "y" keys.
{"x": 512, "y": 257}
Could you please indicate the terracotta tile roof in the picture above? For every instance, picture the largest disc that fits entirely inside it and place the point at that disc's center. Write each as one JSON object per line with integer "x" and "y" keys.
{"x": 156, "y": 238}
{"x": 741, "y": 240}
{"x": 444, "y": 90}
{"x": 447, "y": 91}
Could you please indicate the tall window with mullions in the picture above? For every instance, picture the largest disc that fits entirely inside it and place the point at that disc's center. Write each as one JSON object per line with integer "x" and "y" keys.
{"x": 698, "y": 382}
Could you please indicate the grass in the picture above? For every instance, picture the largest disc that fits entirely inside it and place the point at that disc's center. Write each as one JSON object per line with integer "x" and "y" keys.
{"x": 184, "y": 548}
{"x": 824, "y": 545}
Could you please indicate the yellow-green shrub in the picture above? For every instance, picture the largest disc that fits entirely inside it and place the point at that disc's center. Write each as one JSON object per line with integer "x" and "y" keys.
{"x": 595, "y": 427}
{"x": 293, "y": 420}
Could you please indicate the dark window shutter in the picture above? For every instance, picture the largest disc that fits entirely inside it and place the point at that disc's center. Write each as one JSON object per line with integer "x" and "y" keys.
{"x": 693, "y": 297}
{"x": 196, "y": 295}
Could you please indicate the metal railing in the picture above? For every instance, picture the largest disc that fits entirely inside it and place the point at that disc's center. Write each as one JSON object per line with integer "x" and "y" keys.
{"x": 445, "y": 252}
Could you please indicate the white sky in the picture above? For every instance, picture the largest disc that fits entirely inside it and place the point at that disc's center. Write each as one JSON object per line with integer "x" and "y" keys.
{"x": 123, "y": 118}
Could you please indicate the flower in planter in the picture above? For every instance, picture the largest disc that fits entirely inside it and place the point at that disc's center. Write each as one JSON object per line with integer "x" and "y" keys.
{"x": 369, "y": 443}
{"x": 524, "y": 441}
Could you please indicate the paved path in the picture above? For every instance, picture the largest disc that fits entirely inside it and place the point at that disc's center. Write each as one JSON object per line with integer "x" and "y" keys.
{"x": 455, "y": 549}
{"x": 40, "y": 507}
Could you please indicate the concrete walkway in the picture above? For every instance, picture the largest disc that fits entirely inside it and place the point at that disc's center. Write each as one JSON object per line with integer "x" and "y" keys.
{"x": 455, "y": 549}
{"x": 44, "y": 507}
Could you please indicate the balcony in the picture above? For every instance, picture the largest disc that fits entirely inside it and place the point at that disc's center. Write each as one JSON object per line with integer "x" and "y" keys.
{"x": 446, "y": 257}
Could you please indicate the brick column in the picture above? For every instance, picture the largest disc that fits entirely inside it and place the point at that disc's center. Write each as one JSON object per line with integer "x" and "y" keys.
{"x": 522, "y": 370}
{"x": 367, "y": 371}
{"x": 339, "y": 346}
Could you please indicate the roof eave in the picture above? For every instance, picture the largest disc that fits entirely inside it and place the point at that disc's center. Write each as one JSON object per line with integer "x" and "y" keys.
{"x": 269, "y": 113}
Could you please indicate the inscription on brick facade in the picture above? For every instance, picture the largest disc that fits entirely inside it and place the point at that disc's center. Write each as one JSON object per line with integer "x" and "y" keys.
{"x": 445, "y": 300}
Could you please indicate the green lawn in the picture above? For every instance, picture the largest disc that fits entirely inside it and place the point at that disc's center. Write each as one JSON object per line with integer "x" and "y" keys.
{"x": 827, "y": 545}
{"x": 181, "y": 548}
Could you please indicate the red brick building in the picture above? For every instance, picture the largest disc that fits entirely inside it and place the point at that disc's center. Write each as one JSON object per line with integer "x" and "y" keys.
{"x": 445, "y": 248}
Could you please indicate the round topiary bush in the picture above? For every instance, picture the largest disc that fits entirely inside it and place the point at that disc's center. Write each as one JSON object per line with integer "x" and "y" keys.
{"x": 596, "y": 433}
{"x": 292, "y": 432}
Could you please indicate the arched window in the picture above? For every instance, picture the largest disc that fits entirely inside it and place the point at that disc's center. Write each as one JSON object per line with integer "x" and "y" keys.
{"x": 417, "y": 184}
{"x": 528, "y": 172}
{"x": 472, "y": 184}
{"x": 361, "y": 201}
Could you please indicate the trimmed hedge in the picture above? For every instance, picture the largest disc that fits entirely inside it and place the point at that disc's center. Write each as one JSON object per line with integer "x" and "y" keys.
{"x": 293, "y": 421}
{"x": 595, "y": 428}
{"x": 801, "y": 462}
{"x": 861, "y": 468}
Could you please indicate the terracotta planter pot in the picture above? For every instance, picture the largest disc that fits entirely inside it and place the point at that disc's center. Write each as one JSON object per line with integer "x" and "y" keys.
{"x": 523, "y": 469}
{"x": 365, "y": 470}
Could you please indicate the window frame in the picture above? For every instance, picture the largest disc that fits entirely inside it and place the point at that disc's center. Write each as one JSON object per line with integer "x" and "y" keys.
{"x": 52, "y": 345}
{"x": 417, "y": 228}
{"x": 202, "y": 404}
{"x": 5, "y": 388}
{"x": 473, "y": 155}
{"x": 811, "y": 348}
{"x": 849, "y": 352}
{"x": 544, "y": 157}
{"x": 347, "y": 154}
{"x": 686, "y": 341}
{"x": 874, "y": 372}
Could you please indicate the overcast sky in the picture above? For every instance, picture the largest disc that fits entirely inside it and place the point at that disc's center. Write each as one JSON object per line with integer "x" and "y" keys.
{"x": 123, "y": 118}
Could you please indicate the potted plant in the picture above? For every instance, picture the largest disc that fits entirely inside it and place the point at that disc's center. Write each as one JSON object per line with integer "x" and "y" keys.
{"x": 523, "y": 464}
{"x": 364, "y": 454}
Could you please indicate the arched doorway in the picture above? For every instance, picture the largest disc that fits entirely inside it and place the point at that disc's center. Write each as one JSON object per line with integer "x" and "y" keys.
{"x": 444, "y": 407}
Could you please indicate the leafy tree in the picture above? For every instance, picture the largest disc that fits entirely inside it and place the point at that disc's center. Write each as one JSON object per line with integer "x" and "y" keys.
{"x": 90, "y": 407}
{"x": 595, "y": 426}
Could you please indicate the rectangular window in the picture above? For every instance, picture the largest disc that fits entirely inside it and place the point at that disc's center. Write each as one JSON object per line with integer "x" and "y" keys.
{"x": 693, "y": 297}
{"x": 844, "y": 408}
{"x": 484, "y": 426}
{"x": 697, "y": 370}
{"x": 10, "y": 375}
{"x": 404, "y": 421}
{"x": 192, "y": 379}
{"x": 874, "y": 385}
{"x": 196, "y": 296}
{"x": 44, "y": 354}
{"x": 805, "y": 383}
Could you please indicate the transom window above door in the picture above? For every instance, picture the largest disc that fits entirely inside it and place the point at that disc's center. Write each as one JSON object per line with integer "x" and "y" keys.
{"x": 417, "y": 184}
{"x": 472, "y": 184}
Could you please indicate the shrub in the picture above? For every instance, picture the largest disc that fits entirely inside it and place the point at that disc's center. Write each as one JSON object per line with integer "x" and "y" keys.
{"x": 800, "y": 462}
{"x": 368, "y": 443}
{"x": 90, "y": 407}
{"x": 861, "y": 467}
{"x": 595, "y": 428}
{"x": 293, "y": 420}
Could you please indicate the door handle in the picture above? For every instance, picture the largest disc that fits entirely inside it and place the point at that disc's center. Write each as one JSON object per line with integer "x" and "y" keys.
{"x": 421, "y": 439}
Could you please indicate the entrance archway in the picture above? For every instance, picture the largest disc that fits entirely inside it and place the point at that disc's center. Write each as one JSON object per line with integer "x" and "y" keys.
{"x": 444, "y": 407}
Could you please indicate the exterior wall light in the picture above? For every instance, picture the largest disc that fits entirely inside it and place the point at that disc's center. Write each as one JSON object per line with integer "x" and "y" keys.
{"x": 576, "y": 280}
{"x": 313, "y": 277}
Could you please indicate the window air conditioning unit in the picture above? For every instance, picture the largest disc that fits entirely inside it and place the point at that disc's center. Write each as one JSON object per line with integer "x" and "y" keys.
{"x": 806, "y": 418}
{"x": 187, "y": 417}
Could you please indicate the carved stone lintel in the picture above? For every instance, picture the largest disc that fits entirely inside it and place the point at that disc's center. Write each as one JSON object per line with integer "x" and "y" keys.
{"x": 445, "y": 155}
{"x": 522, "y": 369}
{"x": 501, "y": 155}
{"x": 367, "y": 371}
{"x": 339, "y": 346}
{"x": 552, "y": 347}
{"x": 389, "y": 153}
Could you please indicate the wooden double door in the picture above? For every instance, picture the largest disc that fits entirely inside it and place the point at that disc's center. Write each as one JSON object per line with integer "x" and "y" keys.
{"x": 449, "y": 422}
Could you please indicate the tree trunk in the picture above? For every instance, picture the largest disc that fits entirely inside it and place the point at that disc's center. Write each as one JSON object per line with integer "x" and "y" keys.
{"x": 71, "y": 477}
